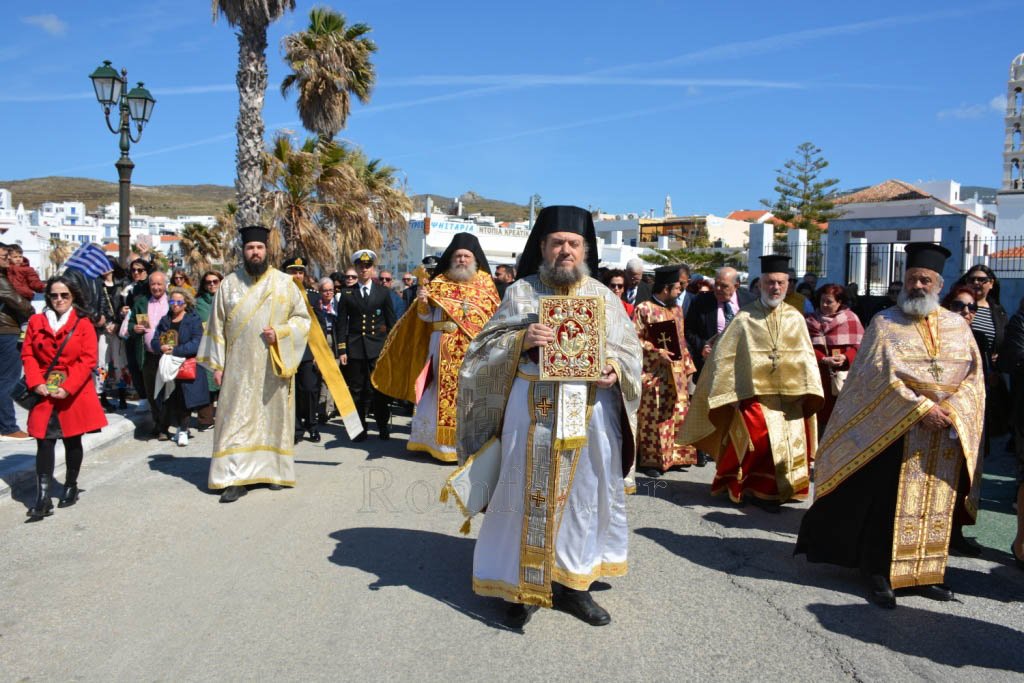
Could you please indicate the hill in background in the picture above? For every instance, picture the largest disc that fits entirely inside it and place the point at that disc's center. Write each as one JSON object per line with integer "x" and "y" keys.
{"x": 204, "y": 200}
{"x": 153, "y": 200}
{"x": 474, "y": 203}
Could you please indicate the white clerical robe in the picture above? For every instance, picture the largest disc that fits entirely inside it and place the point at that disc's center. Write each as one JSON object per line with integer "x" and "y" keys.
{"x": 557, "y": 513}
{"x": 254, "y": 433}
{"x": 423, "y": 436}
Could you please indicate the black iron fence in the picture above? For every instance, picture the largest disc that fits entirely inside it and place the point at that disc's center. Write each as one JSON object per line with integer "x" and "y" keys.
{"x": 814, "y": 254}
{"x": 1004, "y": 255}
{"x": 874, "y": 266}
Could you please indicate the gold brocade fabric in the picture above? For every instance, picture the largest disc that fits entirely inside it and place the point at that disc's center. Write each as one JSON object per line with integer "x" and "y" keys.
{"x": 467, "y": 304}
{"x": 893, "y": 384}
{"x": 254, "y": 432}
{"x": 762, "y": 353}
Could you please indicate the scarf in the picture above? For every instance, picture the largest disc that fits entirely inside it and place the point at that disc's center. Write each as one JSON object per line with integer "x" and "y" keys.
{"x": 841, "y": 329}
{"x": 57, "y": 322}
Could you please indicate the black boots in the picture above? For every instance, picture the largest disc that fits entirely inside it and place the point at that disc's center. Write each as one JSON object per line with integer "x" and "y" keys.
{"x": 122, "y": 404}
{"x": 70, "y": 495}
{"x": 43, "y": 506}
{"x": 579, "y": 604}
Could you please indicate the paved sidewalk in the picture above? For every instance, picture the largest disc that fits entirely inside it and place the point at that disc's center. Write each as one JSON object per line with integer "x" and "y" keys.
{"x": 18, "y": 458}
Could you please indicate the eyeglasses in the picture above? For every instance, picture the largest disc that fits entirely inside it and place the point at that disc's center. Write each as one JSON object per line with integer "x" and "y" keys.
{"x": 211, "y": 282}
{"x": 350, "y": 277}
{"x": 176, "y": 302}
{"x": 364, "y": 265}
{"x": 138, "y": 270}
{"x": 60, "y": 295}
{"x": 960, "y": 306}
{"x": 979, "y": 280}
{"x": 327, "y": 289}
{"x": 406, "y": 279}
{"x": 386, "y": 279}
{"x": 178, "y": 277}
{"x": 615, "y": 286}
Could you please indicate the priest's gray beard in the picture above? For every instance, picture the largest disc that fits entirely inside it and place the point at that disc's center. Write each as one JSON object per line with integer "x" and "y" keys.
{"x": 462, "y": 273}
{"x": 772, "y": 301}
{"x": 255, "y": 269}
{"x": 917, "y": 304}
{"x": 563, "y": 277}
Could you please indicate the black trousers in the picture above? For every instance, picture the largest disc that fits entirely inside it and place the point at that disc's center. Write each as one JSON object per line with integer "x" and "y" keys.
{"x": 307, "y": 395}
{"x": 357, "y": 375}
{"x": 151, "y": 363}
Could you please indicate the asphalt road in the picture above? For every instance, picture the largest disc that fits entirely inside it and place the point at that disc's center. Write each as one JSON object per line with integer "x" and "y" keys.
{"x": 360, "y": 573}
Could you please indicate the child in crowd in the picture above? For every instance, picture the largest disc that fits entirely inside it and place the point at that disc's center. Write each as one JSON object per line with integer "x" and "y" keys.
{"x": 22, "y": 276}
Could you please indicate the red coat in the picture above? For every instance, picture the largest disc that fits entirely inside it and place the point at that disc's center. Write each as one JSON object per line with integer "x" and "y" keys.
{"x": 80, "y": 412}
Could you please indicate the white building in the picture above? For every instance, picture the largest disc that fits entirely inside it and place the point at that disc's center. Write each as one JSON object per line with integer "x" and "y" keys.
{"x": 1010, "y": 198}
{"x": 11, "y": 217}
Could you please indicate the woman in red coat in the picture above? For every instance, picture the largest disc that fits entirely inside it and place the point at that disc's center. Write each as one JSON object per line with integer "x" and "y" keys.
{"x": 69, "y": 407}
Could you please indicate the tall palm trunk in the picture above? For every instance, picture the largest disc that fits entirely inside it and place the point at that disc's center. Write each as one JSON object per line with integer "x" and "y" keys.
{"x": 252, "y": 87}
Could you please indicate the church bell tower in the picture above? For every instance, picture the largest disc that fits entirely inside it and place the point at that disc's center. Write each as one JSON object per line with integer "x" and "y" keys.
{"x": 1011, "y": 194}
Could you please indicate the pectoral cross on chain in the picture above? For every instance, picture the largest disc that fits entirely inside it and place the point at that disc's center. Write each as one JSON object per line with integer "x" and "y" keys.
{"x": 774, "y": 355}
{"x": 935, "y": 370}
{"x": 465, "y": 308}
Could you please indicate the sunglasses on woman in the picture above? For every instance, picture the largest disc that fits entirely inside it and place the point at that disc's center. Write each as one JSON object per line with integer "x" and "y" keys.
{"x": 211, "y": 282}
{"x": 176, "y": 302}
{"x": 616, "y": 286}
{"x": 979, "y": 280}
{"x": 960, "y": 306}
{"x": 59, "y": 295}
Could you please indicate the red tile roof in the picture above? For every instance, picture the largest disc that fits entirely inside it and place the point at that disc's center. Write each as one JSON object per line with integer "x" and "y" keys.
{"x": 748, "y": 215}
{"x": 1012, "y": 252}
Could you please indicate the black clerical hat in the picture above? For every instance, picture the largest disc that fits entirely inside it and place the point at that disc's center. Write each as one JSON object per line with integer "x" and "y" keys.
{"x": 467, "y": 241}
{"x": 926, "y": 255}
{"x": 553, "y": 219}
{"x": 254, "y": 233}
{"x": 665, "y": 275}
{"x": 774, "y": 263}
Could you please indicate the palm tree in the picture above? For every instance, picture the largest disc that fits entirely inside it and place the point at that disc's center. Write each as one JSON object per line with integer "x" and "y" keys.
{"x": 60, "y": 251}
{"x": 225, "y": 233}
{"x": 251, "y": 18}
{"x": 200, "y": 247}
{"x": 330, "y": 62}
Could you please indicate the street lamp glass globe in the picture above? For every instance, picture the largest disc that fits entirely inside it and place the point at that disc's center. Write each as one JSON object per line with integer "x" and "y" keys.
{"x": 140, "y": 104}
{"x": 107, "y": 84}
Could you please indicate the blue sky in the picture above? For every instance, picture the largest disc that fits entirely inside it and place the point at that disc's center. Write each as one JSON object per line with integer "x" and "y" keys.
{"x": 611, "y": 106}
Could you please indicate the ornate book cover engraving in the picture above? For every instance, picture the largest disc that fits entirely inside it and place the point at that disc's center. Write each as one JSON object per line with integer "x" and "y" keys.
{"x": 577, "y": 353}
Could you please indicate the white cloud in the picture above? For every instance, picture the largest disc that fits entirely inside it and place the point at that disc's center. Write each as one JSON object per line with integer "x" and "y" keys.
{"x": 966, "y": 112}
{"x": 50, "y": 23}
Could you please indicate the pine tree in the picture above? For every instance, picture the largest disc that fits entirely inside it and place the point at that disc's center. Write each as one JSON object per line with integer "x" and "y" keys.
{"x": 804, "y": 201}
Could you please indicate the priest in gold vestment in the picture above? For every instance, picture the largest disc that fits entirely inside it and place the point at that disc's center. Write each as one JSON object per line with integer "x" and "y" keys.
{"x": 421, "y": 358}
{"x": 755, "y": 403}
{"x": 253, "y": 343}
{"x": 900, "y": 457}
{"x": 556, "y": 515}
{"x": 664, "y": 401}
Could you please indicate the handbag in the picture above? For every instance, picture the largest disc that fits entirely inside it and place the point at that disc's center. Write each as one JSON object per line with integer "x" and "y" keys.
{"x": 22, "y": 394}
{"x": 837, "y": 378}
{"x": 187, "y": 370}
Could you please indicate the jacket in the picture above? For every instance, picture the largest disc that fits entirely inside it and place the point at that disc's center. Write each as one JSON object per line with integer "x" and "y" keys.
{"x": 195, "y": 391}
{"x": 701, "y": 321}
{"x": 14, "y": 308}
{"x": 364, "y": 323}
{"x": 80, "y": 412}
{"x": 25, "y": 280}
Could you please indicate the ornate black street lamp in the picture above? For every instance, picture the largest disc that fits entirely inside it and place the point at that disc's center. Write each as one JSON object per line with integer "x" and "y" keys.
{"x": 135, "y": 105}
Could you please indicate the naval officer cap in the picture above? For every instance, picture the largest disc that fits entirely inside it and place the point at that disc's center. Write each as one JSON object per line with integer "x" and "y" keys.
{"x": 294, "y": 263}
{"x": 364, "y": 257}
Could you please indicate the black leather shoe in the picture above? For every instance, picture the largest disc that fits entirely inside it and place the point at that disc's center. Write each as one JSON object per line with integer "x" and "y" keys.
{"x": 385, "y": 434}
{"x": 517, "y": 616}
{"x": 935, "y": 591}
{"x": 360, "y": 438}
{"x": 232, "y": 493}
{"x": 1016, "y": 560}
{"x": 963, "y": 546}
{"x": 771, "y": 506}
{"x": 652, "y": 473}
{"x": 702, "y": 459}
{"x": 274, "y": 487}
{"x": 43, "y": 507}
{"x": 881, "y": 591}
{"x": 314, "y": 435}
{"x": 580, "y": 605}
{"x": 69, "y": 497}
{"x": 298, "y": 436}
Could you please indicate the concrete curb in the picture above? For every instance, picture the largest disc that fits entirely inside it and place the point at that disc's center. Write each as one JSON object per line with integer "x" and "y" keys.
{"x": 18, "y": 458}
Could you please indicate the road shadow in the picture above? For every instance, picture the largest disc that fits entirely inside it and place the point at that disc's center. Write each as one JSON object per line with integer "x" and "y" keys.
{"x": 1004, "y": 583}
{"x": 192, "y": 469}
{"x": 947, "y": 639}
{"x": 756, "y": 558}
{"x": 750, "y": 517}
{"x": 406, "y": 557}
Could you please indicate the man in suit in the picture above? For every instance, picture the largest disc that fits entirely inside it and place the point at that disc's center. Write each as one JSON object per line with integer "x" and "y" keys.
{"x": 637, "y": 291}
{"x": 364, "y": 319}
{"x": 710, "y": 312}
